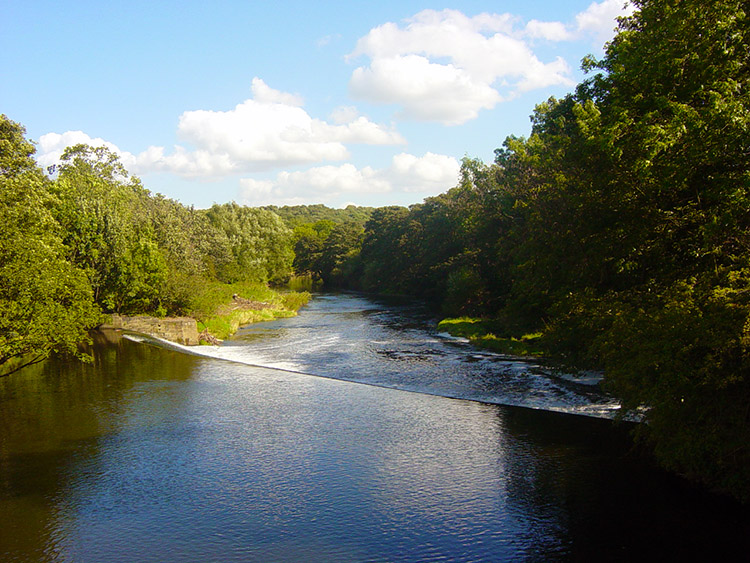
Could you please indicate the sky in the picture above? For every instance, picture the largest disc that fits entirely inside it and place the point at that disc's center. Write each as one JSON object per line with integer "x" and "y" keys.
{"x": 291, "y": 102}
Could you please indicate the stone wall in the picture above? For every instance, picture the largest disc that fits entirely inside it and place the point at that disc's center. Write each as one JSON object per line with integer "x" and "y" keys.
{"x": 182, "y": 330}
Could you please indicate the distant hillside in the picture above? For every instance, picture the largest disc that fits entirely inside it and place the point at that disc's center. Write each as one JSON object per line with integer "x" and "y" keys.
{"x": 294, "y": 215}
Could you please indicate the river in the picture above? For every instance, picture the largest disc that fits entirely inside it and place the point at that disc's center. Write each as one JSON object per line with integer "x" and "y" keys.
{"x": 353, "y": 432}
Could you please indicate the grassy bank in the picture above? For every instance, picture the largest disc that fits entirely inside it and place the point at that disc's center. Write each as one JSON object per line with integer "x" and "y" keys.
{"x": 489, "y": 334}
{"x": 222, "y": 308}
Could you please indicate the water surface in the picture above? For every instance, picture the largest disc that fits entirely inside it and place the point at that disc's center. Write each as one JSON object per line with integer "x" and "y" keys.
{"x": 395, "y": 344}
{"x": 149, "y": 454}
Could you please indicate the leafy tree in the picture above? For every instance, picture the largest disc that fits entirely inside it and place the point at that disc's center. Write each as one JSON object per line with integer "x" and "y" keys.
{"x": 339, "y": 260}
{"x": 193, "y": 250}
{"x": 261, "y": 244}
{"x": 99, "y": 216}
{"x": 674, "y": 95}
{"x": 632, "y": 239}
{"x": 675, "y": 99}
{"x": 383, "y": 257}
{"x": 45, "y": 302}
{"x": 296, "y": 215}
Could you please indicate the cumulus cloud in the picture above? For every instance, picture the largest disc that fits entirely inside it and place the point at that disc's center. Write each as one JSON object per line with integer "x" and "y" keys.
{"x": 272, "y": 130}
{"x": 264, "y": 94}
{"x": 269, "y": 130}
{"x": 344, "y": 114}
{"x": 428, "y": 174}
{"x": 598, "y": 21}
{"x": 445, "y": 66}
{"x": 427, "y": 91}
{"x": 551, "y": 31}
{"x": 600, "y": 18}
{"x": 52, "y": 145}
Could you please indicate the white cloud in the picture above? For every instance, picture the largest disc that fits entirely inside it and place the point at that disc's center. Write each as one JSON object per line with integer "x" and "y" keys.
{"x": 264, "y": 94}
{"x": 270, "y": 130}
{"x": 344, "y": 114}
{"x": 257, "y": 135}
{"x": 600, "y": 18}
{"x": 539, "y": 75}
{"x": 445, "y": 66}
{"x": 359, "y": 131}
{"x": 52, "y": 145}
{"x": 431, "y": 173}
{"x": 426, "y": 91}
{"x": 428, "y": 174}
{"x": 552, "y": 31}
{"x": 319, "y": 184}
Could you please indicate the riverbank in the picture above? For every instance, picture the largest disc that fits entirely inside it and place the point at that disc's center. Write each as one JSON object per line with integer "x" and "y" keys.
{"x": 242, "y": 310}
{"x": 217, "y": 313}
{"x": 488, "y": 334}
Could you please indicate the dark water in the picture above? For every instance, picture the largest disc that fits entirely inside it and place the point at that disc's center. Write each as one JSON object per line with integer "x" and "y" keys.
{"x": 150, "y": 454}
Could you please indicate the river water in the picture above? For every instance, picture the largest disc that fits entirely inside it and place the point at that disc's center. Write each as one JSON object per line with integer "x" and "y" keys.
{"x": 153, "y": 454}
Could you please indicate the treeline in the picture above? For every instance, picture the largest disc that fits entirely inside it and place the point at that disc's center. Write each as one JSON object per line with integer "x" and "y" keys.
{"x": 93, "y": 240}
{"x": 295, "y": 215}
{"x": 620, "y": 228}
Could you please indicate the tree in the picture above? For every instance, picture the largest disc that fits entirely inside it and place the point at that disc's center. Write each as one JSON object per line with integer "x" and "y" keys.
{"x": 675, "y": 97}
{"x": 645, "y": 168}
{"x": 309, "y": 243}
{"x": 338, "y": 259}
{"x": 261, "y": 244}
{"x": 45, "y": 302}
{"x": 384, "y": 259}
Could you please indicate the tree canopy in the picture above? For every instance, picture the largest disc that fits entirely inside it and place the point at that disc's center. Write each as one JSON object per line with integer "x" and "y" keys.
{"x": 93, "y": 240}
{"x": 620, "y": 228}
{"x": 45, "y": 302}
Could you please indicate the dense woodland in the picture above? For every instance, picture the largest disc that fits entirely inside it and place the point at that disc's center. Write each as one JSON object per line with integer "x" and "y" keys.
{"x": 91, "y": 239}
{"x": 619, "y": 229}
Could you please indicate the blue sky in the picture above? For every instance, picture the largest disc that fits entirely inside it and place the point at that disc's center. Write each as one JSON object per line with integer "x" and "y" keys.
{"x": 296, "y": 102}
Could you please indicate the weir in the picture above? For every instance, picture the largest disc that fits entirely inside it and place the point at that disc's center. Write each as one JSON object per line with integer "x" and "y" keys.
{"x": 183, "y": 330}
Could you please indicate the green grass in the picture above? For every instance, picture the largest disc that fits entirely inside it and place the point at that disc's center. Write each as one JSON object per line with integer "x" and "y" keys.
{"x": 212, "y": 306}
{"x": 483, "y": 333}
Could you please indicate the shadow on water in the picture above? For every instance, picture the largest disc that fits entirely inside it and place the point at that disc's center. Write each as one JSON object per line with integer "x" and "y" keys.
{"x": 52, "y": 417}
{"x": 151, "y": 455}
{"x": 610, "y": 499}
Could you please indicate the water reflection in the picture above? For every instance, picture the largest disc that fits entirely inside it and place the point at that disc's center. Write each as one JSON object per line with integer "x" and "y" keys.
{"x": 151, "y": 455}
{"x": 52, "y": 417}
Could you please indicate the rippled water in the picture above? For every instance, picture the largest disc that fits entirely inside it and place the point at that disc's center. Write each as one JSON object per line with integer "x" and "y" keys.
{"x": 351, "y": 337}
{"x": 149, "y": 454}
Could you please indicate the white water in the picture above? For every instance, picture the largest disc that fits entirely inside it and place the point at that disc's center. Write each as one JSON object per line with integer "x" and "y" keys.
{"x": 353, "y": 338}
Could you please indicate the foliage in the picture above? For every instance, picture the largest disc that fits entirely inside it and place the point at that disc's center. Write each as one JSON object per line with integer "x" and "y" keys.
{"x": 339, "y": 258}
{"x": 107, "y": 235}
{"x": 93, "y": 238}
{"x": 484, "y": 334}
{"x": 328, "y": 252}
{"x": 45, "y": 302}
{"x": 675, "y": 105}
{"x": 260, "y": 243}
{"x": 309, "y": 243}
{"x": 296, "y": 215}
{"x": 214, "y": 311}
